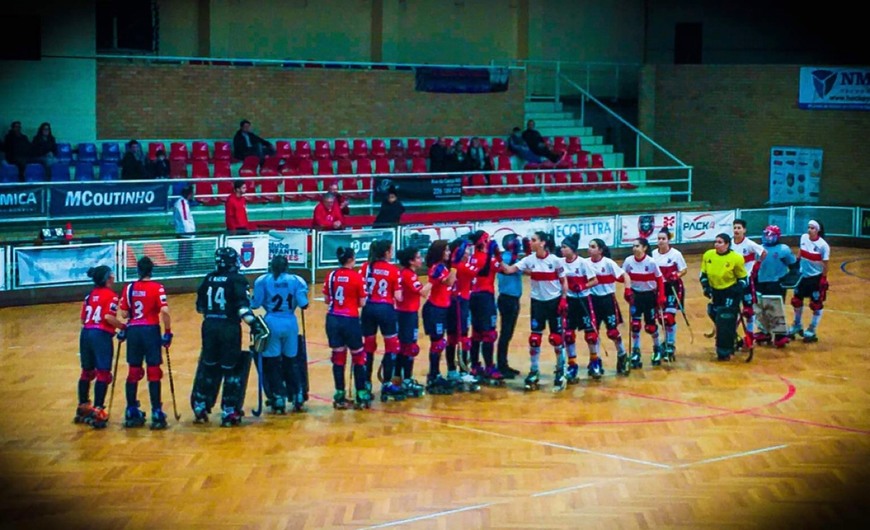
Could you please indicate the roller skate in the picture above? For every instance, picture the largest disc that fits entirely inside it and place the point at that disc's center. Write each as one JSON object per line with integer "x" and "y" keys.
{"x": 795, "y": 331}
{"x": 493, "y": 377}
{"x": 392, "y": 391}
{"x": 595, "y": 369}
{"x": 657, "y": 355}
{"x": 810, "y": 336}
{"x": 623, "y": 366}
{"x": 573, "y": 373}
{"x": 438, "y": 385}
{"x": 478, "y": 373}
{"x": 412, "y": 388}
{"x": 99, "y": 418}
{"x": 532, "y": 381}
{"x": 636, "y": 361}
{"x": 472, "y": 383}
{"x": 762, "y": 338}
{"x": 299, "y": 401}
{"x": 230, "y": 417}
{"x": 669, "y": 353}
{"x": 560, "y": 383}
{"x": 507, "y": 372}
{"x": 279, "y": 405}
{"x": 200, "y": 412}
{"x": 133, "y": 417}
{"x": 84, "y": 413}
{"x": 158, "y": 420}
{"x": 781, "y": 342}
{"x": 339, "y": 401}
{"x": 363, "y": 399}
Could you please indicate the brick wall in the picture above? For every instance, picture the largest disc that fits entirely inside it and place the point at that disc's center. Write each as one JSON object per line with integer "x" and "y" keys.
{"x": 184, "y": 101}
{"x": 723, "y": 120}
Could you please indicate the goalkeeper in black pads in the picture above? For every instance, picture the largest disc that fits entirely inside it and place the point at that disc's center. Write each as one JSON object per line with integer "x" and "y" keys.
{"x": 222, "y": 298}
{"x": 723, "y": 279}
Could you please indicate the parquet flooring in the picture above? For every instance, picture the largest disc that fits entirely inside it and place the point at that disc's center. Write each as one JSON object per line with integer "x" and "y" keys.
{"x": 782, "y": 442}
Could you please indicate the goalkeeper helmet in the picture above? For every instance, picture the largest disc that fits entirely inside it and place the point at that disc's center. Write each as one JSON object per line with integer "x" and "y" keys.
{"x": 226, "y": 259}
{"x": 770, "y": 236}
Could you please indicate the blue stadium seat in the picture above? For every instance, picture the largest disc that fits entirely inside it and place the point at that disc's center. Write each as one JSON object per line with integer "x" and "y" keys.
{"x": 64, "y": 153}
{"x": 84, "y": 170}
{"x": 60, "y": 172}
{"x": 109, "y": 170}
{"x": 87, "y": 152}
{"x": 34, "y": 173}
{"x": 8, "y": 172}
{"x": 111, "y": 152}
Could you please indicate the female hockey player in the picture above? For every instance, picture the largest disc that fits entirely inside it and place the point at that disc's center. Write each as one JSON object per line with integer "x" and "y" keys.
{"x": 407, "y": 312}
{"x": 603, "y": 296}
{"x": 723, "y": 280}
{"x": 645, "y": 294}
{"x": 673, "y": 267}
{"x": 580, "y": 278}
{"x": 435, "y": 310}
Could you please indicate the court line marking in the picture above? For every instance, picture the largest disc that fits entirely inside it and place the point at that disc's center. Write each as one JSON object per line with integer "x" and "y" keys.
{"x": 433, "y": 515}
{"x": 735, "y": 455}
{"x": 852, "y": 274}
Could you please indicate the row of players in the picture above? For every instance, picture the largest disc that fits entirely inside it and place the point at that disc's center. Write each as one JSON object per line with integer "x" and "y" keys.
{"x": 568, "y": 295}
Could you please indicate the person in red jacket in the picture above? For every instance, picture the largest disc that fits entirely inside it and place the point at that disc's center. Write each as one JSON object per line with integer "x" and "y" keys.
{"x": 327, "y": 214}
{"x": 237, "y": 209}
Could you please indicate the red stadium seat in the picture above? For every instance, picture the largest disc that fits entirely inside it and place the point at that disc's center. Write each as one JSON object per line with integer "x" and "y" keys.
{"x": 360, "y": 149}
{"x": 418, "y": 165}
{"x": 200, "y": 151}
{"x": 382, "y": 165}
{"x": 427, "y": 145}
{"x": 178, "y": 169}
{"x": 363, "y": 169}
{"x": 303, "y": 149}
{"x": 250, "y": 166}
{"x": 223, "y": 176}
{"x": 498, "y": 147}
{"x": 574, "y": 146}
{"x": 397, "y": 149}
{"x": 559, "y": 144}
{"x": 153, "y": 147}
{"x": 178, "y": 151}
{"x": 415, "y": 148}
{"x": 324, "y": 167}
{"x": 624, "y": 183}
{"x": 283, "y": 149}
{"x": 204, "y": 186}
{"x": 379, "y": 148}
{"x": 322, "y": 150}
{"x": 223, "y": 151}
{"x": 306, "y": 186}
{"x": 341, "y": 150}
{"x": 268, "y": 187}
{"x": 463, "y": 144}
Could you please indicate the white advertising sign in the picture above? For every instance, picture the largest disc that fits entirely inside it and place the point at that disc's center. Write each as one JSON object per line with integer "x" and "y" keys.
{"x": 67, "y": 264}
{"x": 589, "y": 228}
{"x": 253, "y": 251}
{"x": 845, "y": 88}
{"x": 293, "y": 244}
{"x": 645, "y": 225}
{"x": 703, "y": 226}
{"x": 499, "y": 229}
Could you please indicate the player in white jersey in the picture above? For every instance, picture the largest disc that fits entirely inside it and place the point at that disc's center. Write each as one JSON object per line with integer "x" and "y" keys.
{"x": 579, "y": 277}
{"x": 645, "y": 294}
{"x": 603, "y": 297}
{"x": 815, "y": 253}
{"x": 753, "y": 254}
{"x": 549, "y": 301}
{"x": 673, "y": 267}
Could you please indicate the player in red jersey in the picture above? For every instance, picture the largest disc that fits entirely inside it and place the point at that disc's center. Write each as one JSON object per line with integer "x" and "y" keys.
{"x": 143, "y": 306}
{"x": 486, "y": 259}
{"x": 441, "y": 279}
{"x": 384, "y": 290}
{"x": 457, "y": 315}
{"x": 95, "y": 346}
{"x": 407, "y": 312}
{"x": 344, "y": 293}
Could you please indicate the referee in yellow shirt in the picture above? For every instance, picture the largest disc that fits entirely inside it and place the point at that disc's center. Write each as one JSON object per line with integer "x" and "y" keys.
{"x": 723, "y": 278}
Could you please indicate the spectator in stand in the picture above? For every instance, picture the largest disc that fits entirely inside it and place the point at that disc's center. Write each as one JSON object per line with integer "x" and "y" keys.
{"x": 185, "y": 227}
{"x": 327, "y": 214}
{"x": 159, "y": 167}
{"x": 44, "y": 146}
{"x": 391, "y": 210}
{"x": 236, "y": 212}
{"x": 342, "y": 203}
{"x": 478, "y": 158}
{"x": 246, "y": 143}
{"x": 538, "y": 146}
{"x": 17, "y": 148}
{"x": 438, "y": 156}
{"x": 456, "y": 160}
{"x": 133, "y": 163}
{"x": 520, "y": 148}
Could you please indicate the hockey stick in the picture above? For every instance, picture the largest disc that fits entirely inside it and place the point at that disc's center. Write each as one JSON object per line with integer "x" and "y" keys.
{"x": 259, "y": 410}
{"x": 685, "y": 318}
{"x": 171, "y": 384}
{"x": 114, "y": 377}
{"x": 460, "y": 351}
{"x": 620, "y": 320}
{"x": 594, "y": 320}
{"x": 747, "y": 337}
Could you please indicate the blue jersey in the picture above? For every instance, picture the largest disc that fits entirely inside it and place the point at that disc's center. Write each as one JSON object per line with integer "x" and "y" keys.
{"x": 280, "y": 296}
{"x": 510, "y": 284}
{"x": 776, "y": 263}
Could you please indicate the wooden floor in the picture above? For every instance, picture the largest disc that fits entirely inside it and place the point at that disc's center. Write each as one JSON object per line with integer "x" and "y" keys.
{"x": 782, "y": 442}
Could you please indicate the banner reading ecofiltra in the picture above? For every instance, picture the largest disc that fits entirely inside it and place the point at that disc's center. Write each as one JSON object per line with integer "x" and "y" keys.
{"x": 107, "y": 198}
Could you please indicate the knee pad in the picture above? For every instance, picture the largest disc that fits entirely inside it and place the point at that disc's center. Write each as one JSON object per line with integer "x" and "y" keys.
{"x": 797, "y": 302}
{"x": 651, "y": 328}
{"x": 670, "y": 320}
{"x": 555, "y": 339}
{"x": 370, "y": 343}
{"x": 635, "y": 326}
{"x": 490, "y": 336}
{"x": 358, "y": 357}
{"x": 452, "y": 339}
{"x": 410, "y": 350}
{"x": 591, "y": 337}
{"x": 339, "y": 356}
{"x": 391, "y": 344}
{"x": 104, "y": 376}
{"x": 613, "y": 334}
{"x": 88, "y": 375}
{"x": 535, "y": 340}
{"x": 477, "y": 336}
{"x": 155, "y": 373}
{"x": 570, "y": 336}
{"x": 438, "y": 346}
{"x": 748, "y": 311}
{"x": 135, "y": 374}
{"x": 816, "y": 305}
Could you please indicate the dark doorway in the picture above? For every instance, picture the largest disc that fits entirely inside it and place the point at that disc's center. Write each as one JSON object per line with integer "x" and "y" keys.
{"x": 688, "y": 43}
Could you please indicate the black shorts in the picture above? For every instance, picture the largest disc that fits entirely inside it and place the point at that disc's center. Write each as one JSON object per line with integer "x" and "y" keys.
{"x": 221, "y": 342}
{"x": 95, "y": 349}
{"x": 343, "y": 332}
{"x": 606, "y": 311}
{"x": 546, "y": 313}
{"x": 808, "y": 287}
{"x": 578, "y": 314}
{"x": 408, "y": 325}
{"x": 644, "y": 306}
{"x": 728, "y": 297}
{"x": 378, "y": 315}
{"x": 434, "y": 320}
{"x": 451, "y": 327}
{"x": 484, "y": 315}
{"x": 143, "y": 344}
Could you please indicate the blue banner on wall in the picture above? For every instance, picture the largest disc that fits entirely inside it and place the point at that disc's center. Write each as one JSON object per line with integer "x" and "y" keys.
{"x": 108, "y": 198}
{"x": 21, "y": 201}
{"x": 462, "y": 80}
{"x": 843, "y": 88}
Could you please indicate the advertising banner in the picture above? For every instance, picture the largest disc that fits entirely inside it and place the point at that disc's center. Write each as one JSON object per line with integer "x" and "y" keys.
{"x": 846, "y": 88}
{"x": 253, "y": 251}
{"x": 108, "y": 198}
{"x": 421, "y": 188}
{"x": 421, "y": 236}
{"x": 22, "y": 201}
{"x": 292, "y": 244}
{"x": 703, "y": 226}
{"x": 358, "y": 240}
{"x": 645, "y": 225}
{"x": 499, "y": 229}
{"x": 589, "y": 228}
{"x": 2, "y": 268}
{"x": 795, "y": 174}
{"x": 461, "y": 80}
{"x": 68, "y": 264}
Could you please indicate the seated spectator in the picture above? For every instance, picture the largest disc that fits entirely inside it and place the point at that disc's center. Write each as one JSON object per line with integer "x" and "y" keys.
{"x": 478, "y": 158}
{"x": 159, "y": 167}
{"x": 17, "y": 148}
{"x": 517, "y": 145}
{"x": 456, "y": 160}
{"x": 538, "y": 146}
{"x": 246, "y": 143}
{"x": 391, "y": 210}
{"x": 438, "y": 156}
{"x": 342, "y": 203}
{"x": 44, "y": 146}
{"x": 327, "y": 215}
{"x": 133, "y": 163}
{"x": 236, "y": 210}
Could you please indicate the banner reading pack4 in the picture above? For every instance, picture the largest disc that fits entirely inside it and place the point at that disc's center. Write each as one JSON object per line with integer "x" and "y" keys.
{"x": 645, "y": 225}
{"x": 22, "y": 201}
{"x": 703, "y": 226}
{"x": 589, "y": 228}
{"x": 253, "y": 251}
{"x": 42, "y": 266}
{"x": 421, "y": 236}
{"x": 107, "y": 198}
{"x": 292, "y": 244}
{"x": 358, "y": 240}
